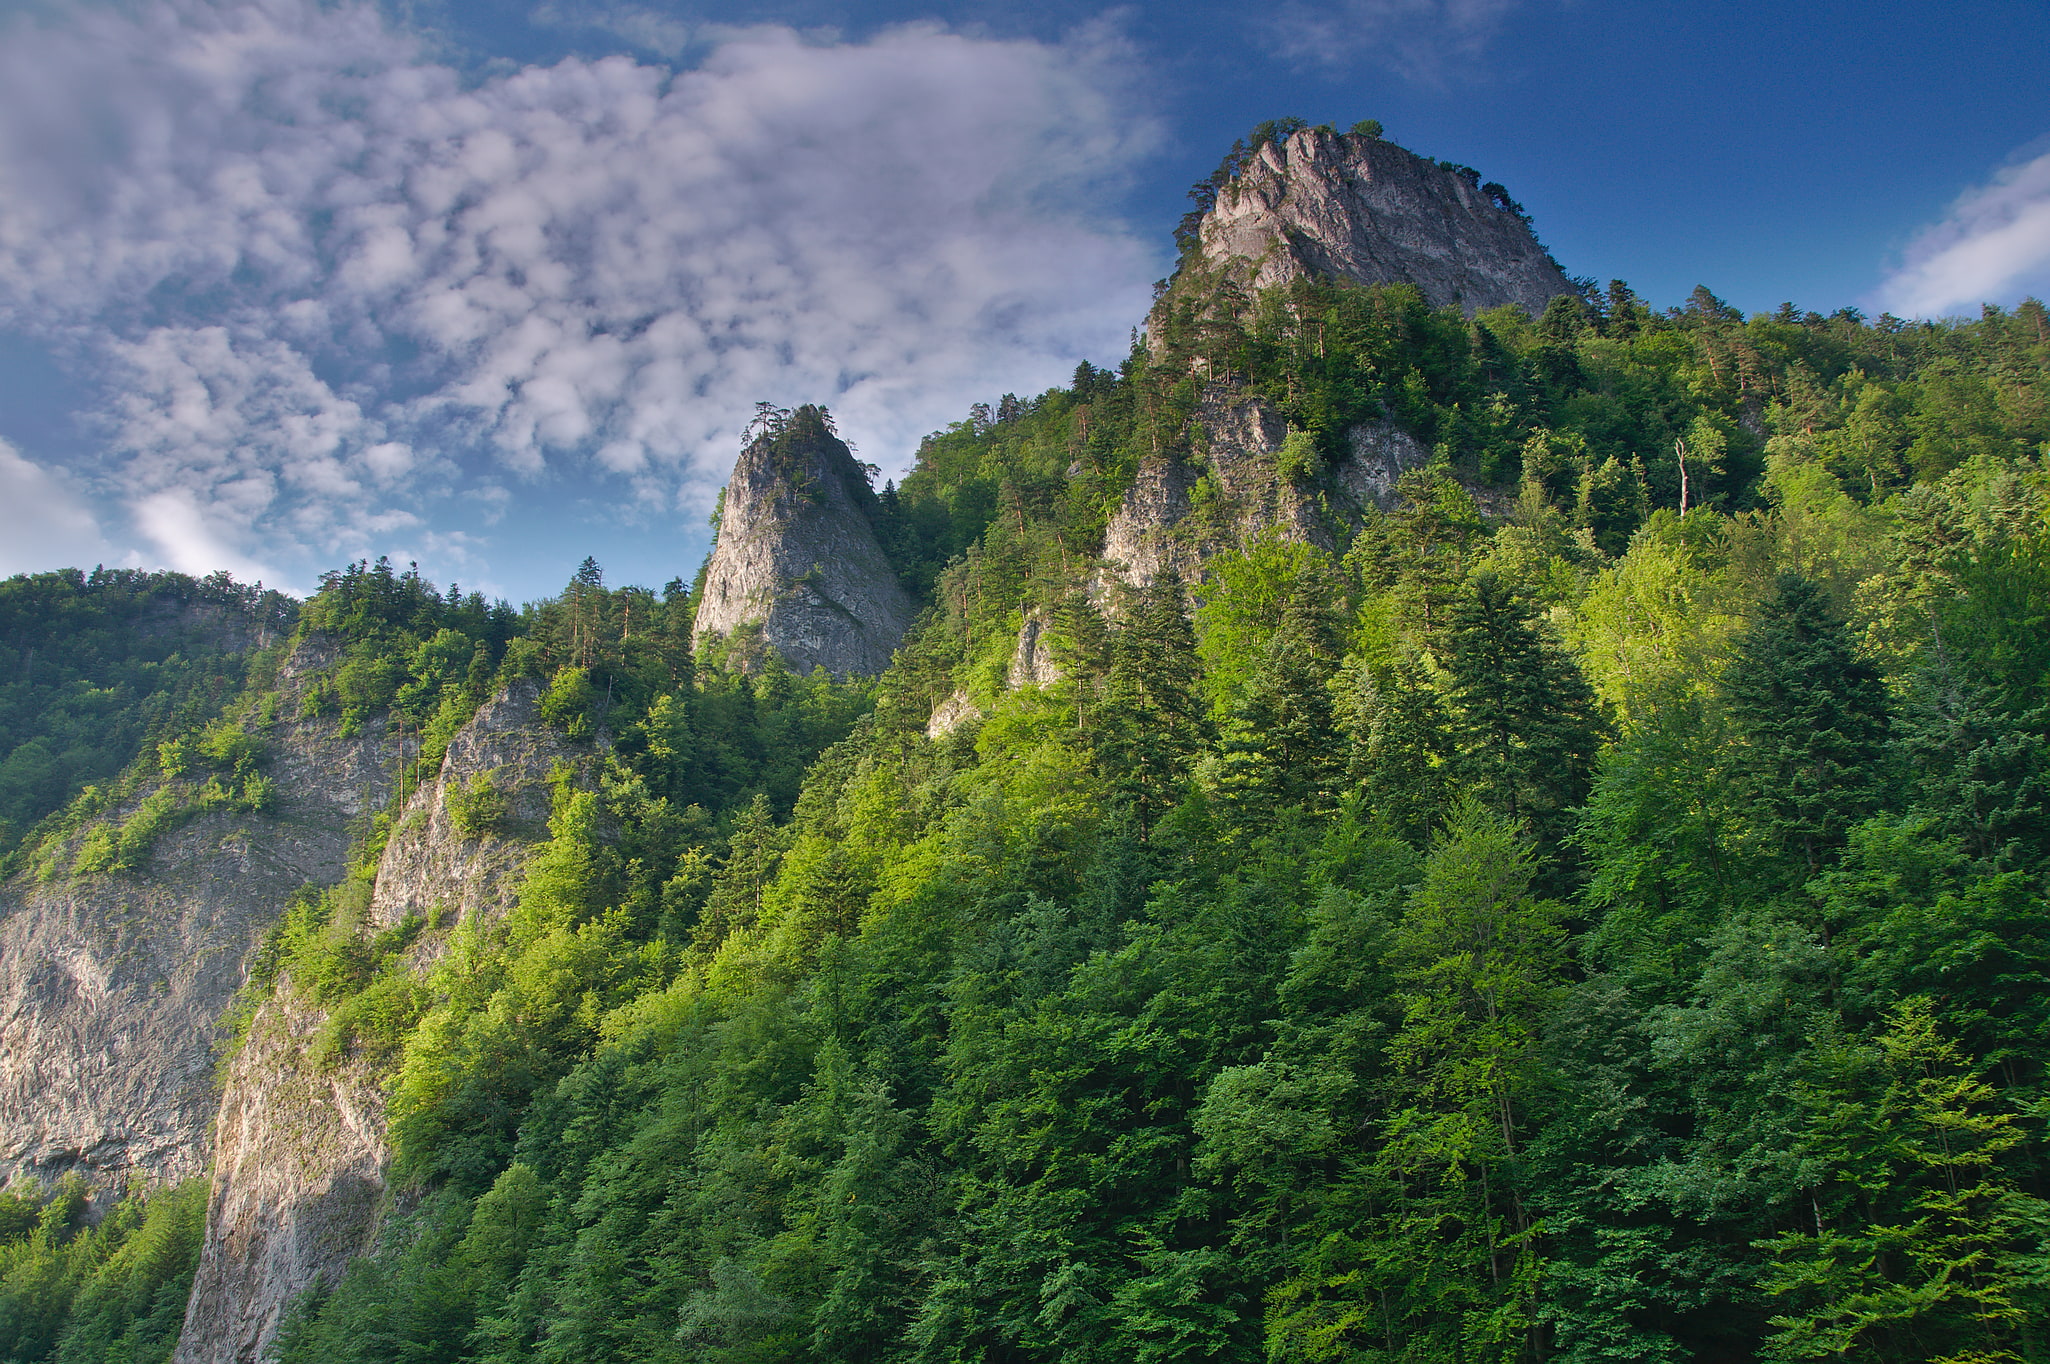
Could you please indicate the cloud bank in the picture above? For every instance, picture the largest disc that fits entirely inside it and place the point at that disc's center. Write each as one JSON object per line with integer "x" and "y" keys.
{"x": 1993, "y": 246}
{"x": 330, "y": 281}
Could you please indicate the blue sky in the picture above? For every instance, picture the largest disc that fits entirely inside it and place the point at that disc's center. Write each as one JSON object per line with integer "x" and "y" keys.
{"x": 493, "y": 284}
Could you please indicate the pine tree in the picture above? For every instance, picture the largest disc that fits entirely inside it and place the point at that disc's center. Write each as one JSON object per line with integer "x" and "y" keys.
{"x": 1811, "y": 718}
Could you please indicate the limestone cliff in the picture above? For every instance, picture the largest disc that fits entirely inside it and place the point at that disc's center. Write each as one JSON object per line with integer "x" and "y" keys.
{"x": 111, "y": 983}
{"x": 299, "y": 1169}
{"x": 1237, "y": 483}
{"x": 1352, "y": 207}
{"x": 797, "y": 556}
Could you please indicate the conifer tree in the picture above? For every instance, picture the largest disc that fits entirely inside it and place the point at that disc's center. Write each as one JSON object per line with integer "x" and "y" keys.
{"x": 1151, "y": 723}
{"x": 1281, "y": 745}
{"x": 1525, "y": 724}
{"x": 1811, "y": 718}
{"x": 1398, "y": 730}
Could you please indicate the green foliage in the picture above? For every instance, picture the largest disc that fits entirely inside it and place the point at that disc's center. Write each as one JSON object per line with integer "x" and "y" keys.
{"x": 105, "y": 1292}
{"x": 1604, "y": 930}
{"x": 98, "y": 669}
{"x": 478, "y": 807}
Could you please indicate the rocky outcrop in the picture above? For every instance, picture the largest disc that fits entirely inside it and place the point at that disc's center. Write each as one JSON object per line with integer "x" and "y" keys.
{"x": 1032, "y": 661}
{"x": 797, "y": 556}
{"x": 950, "y": 714}
{"x": 299, "y": 1170}
{"x": 1239, "y": 482}
{"x": 298, "y": 1180}
{"x": 1352, "y": 207}
{"x": 112, "y": 984}
{"x": 494, "y": 780}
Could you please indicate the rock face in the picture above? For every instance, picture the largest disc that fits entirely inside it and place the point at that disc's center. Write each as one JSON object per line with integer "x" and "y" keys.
{"x": 299, "y": 1169}
{"x": 434, "y": 869}
{"x": 798, "y": 557}
{"x": 1352, "y": 207}
{"x": 111, "y": 984}
{"x": 298, "y": 1178}
{"x": 1180, "y": 510}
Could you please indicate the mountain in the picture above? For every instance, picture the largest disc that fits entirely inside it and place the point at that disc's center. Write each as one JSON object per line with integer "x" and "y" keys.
{"x": 1370, "y": 831}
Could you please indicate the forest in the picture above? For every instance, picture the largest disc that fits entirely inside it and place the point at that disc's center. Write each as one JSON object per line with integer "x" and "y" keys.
{"x": 1591, "y": 910}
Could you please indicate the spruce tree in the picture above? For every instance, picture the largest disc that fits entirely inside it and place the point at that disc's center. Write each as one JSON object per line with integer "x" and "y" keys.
{"x": 1151, "y": 723}
{"x": 1281, "y": 746}
{"x": 1525, "y": 724}
{"x": 1811, "y": 719}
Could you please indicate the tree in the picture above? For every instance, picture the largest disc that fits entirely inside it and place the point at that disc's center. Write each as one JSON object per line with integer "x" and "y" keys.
{"x": 1429, "y": 1251}
{"x": 1151, "y": 723}
{"x": 1921, "y": 1249}
{"x": 1811, "y": 721}
{"x": 1280, "y": 745}
{"x": 1524, "y": 722}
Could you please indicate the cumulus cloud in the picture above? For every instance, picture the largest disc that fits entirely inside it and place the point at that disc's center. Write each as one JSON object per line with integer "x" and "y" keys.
{"x": 42, "y": 522}
{"x": 1419, "y": 39}
{"x": 1993, "y": 245}
{"x": 330, "y": 277}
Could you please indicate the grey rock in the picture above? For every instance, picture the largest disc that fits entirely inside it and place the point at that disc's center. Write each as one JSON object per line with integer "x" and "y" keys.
{"x": 1032, "y": 661}
{"x": 1378, "y": 454}
{"x": 797, "y": 557}
{"x": 432, "y": 869}
{"x": 111, "y": 985}
{"x": 1230, "y": 490}
{"x": 298, "y": 1180}
{"x": 950, "y": 714}
{"x": 299, "y": 1170}
{"x": 1351, "y": 207}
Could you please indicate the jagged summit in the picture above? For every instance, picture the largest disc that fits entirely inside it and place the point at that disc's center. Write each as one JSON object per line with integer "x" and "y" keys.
{"x": 1354, "y": 206}
{"x": 797, "y": 554}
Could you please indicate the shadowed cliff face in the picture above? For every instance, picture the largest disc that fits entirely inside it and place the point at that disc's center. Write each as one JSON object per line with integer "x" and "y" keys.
{"x": 1351, "y": 207}
{"x": 1165, "y": 524}
{"x": 111, "y": 984}
{"x": 798, "y": 556}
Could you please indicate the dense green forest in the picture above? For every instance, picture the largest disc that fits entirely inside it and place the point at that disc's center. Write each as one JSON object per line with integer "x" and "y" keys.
{"x": 92, "y": 666}
{"x": 1593, "y": 910}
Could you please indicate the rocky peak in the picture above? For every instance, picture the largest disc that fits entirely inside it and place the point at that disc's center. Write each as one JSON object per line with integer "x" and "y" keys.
{"x": 1351, "y": 206}
{"x": 797, "y": 555}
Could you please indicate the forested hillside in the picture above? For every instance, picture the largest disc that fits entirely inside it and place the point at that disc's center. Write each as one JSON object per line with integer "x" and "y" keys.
{"x": 95, "y": 665}
{"x": 1595, "y": 911}
{"x": 1557, "y": 926}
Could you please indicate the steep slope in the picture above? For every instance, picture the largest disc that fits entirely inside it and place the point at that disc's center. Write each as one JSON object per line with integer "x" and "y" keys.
{"x": 1348, "y": 206}
{"x": 797, "y": 556}
{"x": 299, "y": 1171}
{"x": 111, "y": 982}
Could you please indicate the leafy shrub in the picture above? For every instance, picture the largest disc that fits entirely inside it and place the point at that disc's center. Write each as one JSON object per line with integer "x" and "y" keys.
{"x": 477, "y": 806}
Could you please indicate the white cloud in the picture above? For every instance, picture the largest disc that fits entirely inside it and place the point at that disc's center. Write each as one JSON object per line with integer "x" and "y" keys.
{"x": 333, "y": 280}
{"x": 1992, "y": 246}
{"x": 1419, "y": 39}
{"x": 43, "y": 524}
